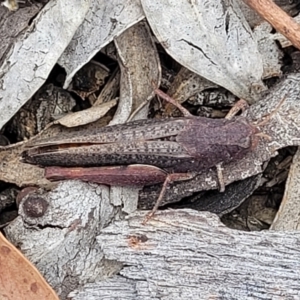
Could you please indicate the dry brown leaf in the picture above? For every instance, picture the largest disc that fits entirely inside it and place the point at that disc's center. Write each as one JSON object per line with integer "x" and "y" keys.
{"x": 139, "y": 64}
{"x": 19, "y": 278}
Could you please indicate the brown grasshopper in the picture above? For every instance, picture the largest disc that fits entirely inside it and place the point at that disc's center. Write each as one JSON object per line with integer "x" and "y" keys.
{"x": 145, "y": 152}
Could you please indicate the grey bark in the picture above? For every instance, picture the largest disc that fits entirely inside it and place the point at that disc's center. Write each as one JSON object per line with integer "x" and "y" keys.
{"x": 178, "y": 254}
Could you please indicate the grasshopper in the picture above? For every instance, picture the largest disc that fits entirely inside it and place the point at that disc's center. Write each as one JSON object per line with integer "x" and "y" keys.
{"x": 145, "y": 152}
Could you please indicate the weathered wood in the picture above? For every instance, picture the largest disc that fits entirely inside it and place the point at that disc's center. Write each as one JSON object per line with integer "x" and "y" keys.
{"x": 57, "y": 230}
{"x": 184, "y": 253}
{"x": 177, "y": 254}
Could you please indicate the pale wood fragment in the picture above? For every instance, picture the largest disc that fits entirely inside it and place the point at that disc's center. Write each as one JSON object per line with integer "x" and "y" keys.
{"x": 182, "y": 254}
{"x": 60, "y": 241}
{"x": 78, "y": 241}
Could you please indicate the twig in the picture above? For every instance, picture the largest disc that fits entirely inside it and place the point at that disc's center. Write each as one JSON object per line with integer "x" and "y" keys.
{"x": 278, "y": 18}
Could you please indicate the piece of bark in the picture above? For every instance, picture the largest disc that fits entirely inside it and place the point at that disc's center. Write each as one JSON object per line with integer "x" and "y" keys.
{"x": 182, "y": 253}
{"x": 56, "y": 231}
{"x": 288, "y": 215}
{"x": 278, "y": 18}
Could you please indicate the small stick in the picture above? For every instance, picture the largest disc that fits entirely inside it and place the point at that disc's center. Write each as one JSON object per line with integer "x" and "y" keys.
{"x": 278, "y": 18}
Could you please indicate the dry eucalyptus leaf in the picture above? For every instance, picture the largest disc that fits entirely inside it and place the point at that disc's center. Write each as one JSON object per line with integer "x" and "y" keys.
{"x": 19, "y": 278}
{"x": 86, "y": 116}
{"x": 140, "y": 65}
{"x": 104, "y": 21}
{"x": 29, "y": 62}
{"x": 212, "y": 39}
